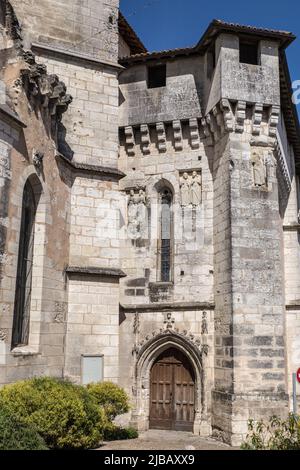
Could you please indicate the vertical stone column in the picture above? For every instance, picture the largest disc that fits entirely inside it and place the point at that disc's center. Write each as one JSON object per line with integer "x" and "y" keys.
{"x": 249, "y": 294}
{"x": 250, "y": 303}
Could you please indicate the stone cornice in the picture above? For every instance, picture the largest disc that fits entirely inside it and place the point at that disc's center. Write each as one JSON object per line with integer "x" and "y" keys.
{"x": 257, "y": 119}
{"x": 92, "y": 169}
{"x": 162, "y": 307}
{"x": 10, "y": 116}
{"x": 93, "y": 271}
{"x": 75, "y": 56}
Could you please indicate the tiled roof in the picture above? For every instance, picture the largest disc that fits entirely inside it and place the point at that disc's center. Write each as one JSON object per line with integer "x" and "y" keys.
{"x": 252, "y": 29}
{"x": 130, "y": 36}
{"x": 159, "y": 54}
{"x": 215, "y": 27}
{"x": 218, "y": 26}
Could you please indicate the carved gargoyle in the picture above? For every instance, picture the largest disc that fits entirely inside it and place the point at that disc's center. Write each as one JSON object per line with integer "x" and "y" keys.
{"x": 45, "y": 91}
{"x": 37, "y": 159}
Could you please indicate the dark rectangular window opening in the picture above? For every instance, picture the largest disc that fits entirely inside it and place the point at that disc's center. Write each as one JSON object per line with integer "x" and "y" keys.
{"x": 249, "y": 53}
{"x": 157, "y": 76}
{"x": 211, "y": 61}
{"x": 166, "y": 260}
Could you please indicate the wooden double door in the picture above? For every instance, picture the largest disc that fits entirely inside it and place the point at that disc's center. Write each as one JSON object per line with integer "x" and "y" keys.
{"x": 172, "y": 393}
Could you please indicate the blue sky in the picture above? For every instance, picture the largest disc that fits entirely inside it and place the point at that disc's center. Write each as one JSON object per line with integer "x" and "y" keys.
{"x": 167, "y": 24}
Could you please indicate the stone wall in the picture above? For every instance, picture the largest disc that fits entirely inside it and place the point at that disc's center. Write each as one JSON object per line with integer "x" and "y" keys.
{"x": 89, "y": 27}
{"x": 44, "y": 353}
{"x": 192, "y": 261}
{"x": 235, "y": 81}
{"x": 178, "y": 100}
{"x": 79, "y": 199}
{"x": 93, "y": 324}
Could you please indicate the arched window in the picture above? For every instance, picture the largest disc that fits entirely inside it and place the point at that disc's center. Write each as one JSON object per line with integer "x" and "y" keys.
{"x": 166, "y": 236}
{"x": 20, "y": 334}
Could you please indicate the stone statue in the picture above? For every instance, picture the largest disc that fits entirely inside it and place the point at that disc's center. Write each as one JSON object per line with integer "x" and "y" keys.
{"x": 259, "y": 169}
{"x": 137, "y": 214}
{"x": 142, "y": 213}
{"x": 204, "y": 327}
{"x": 185, "y": 187}
{"x": 196, "y": 189}
{"x": 132, "y": 216}
{"x": 271, "y": 165}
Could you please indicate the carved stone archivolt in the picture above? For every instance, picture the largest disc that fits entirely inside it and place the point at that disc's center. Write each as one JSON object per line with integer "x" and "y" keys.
{"x": 137, "y": 214}
{"x": 146, "y": 353}
{"x": 193, "y": 340}
{"x": 191, "y": 188}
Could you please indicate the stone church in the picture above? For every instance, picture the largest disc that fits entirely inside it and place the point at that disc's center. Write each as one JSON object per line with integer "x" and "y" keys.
{"x": 149, "y": 214}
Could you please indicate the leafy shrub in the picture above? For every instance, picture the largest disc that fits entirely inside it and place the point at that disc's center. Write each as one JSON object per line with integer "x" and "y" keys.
{"x": 64, "y": 414}
{"x": 112, "y": 398}
{"x": 276, "y": 434}
{"x": 112, "y": 432}
{"x": 17, "y": 436}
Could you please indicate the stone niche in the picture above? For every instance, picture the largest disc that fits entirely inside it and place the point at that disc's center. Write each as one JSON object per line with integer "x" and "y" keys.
{"x": 263, "y": 168}
{"x": 191, "y": 188}
{"x": 137, "y": 214}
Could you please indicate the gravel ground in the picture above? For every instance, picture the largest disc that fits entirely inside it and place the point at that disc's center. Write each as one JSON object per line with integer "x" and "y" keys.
{"x": 167, "y": 440}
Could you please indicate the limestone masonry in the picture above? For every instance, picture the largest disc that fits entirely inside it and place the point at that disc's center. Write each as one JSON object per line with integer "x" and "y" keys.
{"x": 149, "y": 215}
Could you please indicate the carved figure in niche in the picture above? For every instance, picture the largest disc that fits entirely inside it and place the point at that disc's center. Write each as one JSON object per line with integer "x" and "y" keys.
{"x": 132, "y": 216}
{"x": 137, "y": 214}
{"x": 142, "y": 213}
{"x": 169, "y": 320}
{"x": 204, "y": 327}
{"x": 196, "y": 189}
{"x": 271, "y": 165}
{"x": 259, "y": 169}
{"x": 185, "y": 186}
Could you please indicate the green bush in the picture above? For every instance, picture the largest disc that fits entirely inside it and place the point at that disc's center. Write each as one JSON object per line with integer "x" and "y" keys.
{"x": 17, "y": 436}
{"x": 64, "y": 414}
{"x": 276, "y": 434}
{"x": 112, "y": 432}
{"x": 112, "y": 398}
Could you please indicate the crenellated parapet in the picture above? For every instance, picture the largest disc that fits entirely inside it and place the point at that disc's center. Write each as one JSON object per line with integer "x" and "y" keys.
{"x": 226, "y": 117}
{"x": 178, "y": 134}
{"x": 239, "y": 117}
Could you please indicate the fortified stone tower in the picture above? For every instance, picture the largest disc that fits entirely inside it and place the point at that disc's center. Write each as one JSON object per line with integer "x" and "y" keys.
{"x": 210, "y": 137}
{"x": 250, "y": 376}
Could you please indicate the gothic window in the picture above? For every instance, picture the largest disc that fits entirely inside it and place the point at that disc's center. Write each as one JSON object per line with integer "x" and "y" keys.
{"x": 20, "y": 334}
{"x": 166, "y": 223}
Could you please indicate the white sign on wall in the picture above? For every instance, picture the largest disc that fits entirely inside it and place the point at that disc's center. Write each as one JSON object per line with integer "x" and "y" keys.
{"x": 92, "y": 369}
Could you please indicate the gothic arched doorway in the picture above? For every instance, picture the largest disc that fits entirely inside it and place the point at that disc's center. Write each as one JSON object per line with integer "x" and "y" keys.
{"x": 172, "y": 392}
